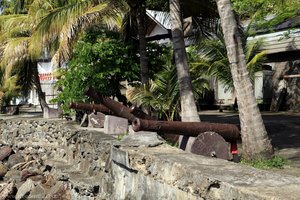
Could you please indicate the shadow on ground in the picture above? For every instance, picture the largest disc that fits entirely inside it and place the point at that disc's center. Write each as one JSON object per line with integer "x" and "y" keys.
{"x": 283, "y": 128}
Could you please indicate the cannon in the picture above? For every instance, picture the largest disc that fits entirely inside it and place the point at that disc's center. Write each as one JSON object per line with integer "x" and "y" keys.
{"x": 90, "y": 107}
{"x": 118, "y": 108}
{"x": 212, "y": 139}
{"x": 229, "y": 132}
{"x": 215, "y": 136}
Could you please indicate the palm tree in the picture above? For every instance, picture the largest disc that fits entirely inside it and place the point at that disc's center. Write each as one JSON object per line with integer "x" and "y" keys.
{"x": 16, "y": 58}
{"x": 211, "y": 56}
{"x": 162, "y": 94}
{"x": 70, "y": 19}
{"x": 254, "y": 135}
{"x": 22, "y": 37}
{"x": 138, "y": 8}
{"x": 8, "y": 88}
{"x": 187, "y": 101}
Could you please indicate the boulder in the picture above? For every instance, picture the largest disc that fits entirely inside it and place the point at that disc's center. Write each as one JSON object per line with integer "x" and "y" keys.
{"x": 24, "y": 189}
{"x": 3, "y": 170}
{"x": 5, "y": 152}
{"x": 15, "y": 159}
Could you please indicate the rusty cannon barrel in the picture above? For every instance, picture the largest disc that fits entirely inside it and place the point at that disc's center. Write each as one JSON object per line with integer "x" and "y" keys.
{"x": 90, "y": 107}
{"x": 229, "y": 132}
{"x": 116, "y": 107}
{"x": 139, "y": 113}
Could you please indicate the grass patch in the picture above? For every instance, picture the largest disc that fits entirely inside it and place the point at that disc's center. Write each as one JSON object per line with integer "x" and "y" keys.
{"x": 176, "y": 144}
{"x": 275, "y": 162}
{"x": 121, "y": 137}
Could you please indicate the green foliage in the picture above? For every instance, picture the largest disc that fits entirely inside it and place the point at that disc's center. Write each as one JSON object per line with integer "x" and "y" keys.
{"x": 275, "y": 162}
{"x": 101, "y": 62}
{"x": 157, "y": 5}
{"x": 121, "y": 137}
{"x": 270, "y": 25}
{"x": 161, "y": 95}
{"x": 8, "y": 88}
{"x": 210, "y": 57}
{"x": 259, "y": 12}
{"x": 262, "y": 8}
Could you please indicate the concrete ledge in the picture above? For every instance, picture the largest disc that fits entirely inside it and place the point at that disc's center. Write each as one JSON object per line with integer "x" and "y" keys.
{"x": 182, "y": 175}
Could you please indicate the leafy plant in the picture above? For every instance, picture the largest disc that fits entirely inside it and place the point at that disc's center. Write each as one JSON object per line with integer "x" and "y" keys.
{"x": 275, "y": 162}
{"x": 101, "y": 62}
{"x": 121, "y": 137}
{"x": 162, "y": 93}
{"x": 211, "y": 58}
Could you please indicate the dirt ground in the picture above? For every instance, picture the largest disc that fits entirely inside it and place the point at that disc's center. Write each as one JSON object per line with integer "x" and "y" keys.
{"x": 283, "y": 129}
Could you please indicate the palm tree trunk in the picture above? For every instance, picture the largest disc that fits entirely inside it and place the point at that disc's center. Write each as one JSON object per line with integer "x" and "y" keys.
{"x": 188, "y": 107}
{"x": 37, "y": 84}
{"x": 141, "y": 19}
{"x": 254, "y": 135}
{"x": 139, "y": 10}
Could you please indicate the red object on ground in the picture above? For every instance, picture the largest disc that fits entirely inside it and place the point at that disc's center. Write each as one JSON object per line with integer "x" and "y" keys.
{"x": 233, "y": 148}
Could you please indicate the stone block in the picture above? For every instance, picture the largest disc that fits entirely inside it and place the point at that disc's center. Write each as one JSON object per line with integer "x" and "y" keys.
{"x": 51, "y": 113}
{"x": 145, "y": 139}
{"x": 115, "y": 125}
{"x": 132, "y": 132}
{"x": 96, "y": 120}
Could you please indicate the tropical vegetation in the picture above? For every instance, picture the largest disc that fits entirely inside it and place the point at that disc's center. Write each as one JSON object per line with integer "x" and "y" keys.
{"x": 210, "y": 57}
{"x": 102, "y": 61}
{"x": 30, "y": 28}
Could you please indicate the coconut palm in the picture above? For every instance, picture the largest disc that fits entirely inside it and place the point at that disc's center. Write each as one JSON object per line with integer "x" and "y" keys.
{"x": 22, "y": 45}
{"x": 188, "y": 106}
{"x": 254, "y": 135}
{"x": 161, "y": 95}
{"x": 16, "y": 58}
{"x": 8, "y": 88}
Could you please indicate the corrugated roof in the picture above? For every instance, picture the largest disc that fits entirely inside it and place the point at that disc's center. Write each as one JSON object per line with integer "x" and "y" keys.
{"x": 160, "y": 17}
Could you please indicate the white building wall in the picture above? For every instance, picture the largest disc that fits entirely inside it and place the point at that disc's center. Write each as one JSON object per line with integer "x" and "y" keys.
{"x": 48, "y": 81}
{"x": 258, "y": 85}
{"x": 224, "y": 96}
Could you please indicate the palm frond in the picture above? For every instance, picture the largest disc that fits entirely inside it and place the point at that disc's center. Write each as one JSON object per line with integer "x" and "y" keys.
{"x": 15, "y": 54}
{"x": 53, "y": 22}
{"x": 70, "y": 31}
{"x": 162, "y": 94}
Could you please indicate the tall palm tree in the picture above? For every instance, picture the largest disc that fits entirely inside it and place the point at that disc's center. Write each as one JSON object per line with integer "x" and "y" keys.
{"x": 138, "y": 9}
{"x": 187, "y": 101}
{"x": 70, "y": 19}
{"x": 254, "y": 135}
{"x": 63, "y": 24}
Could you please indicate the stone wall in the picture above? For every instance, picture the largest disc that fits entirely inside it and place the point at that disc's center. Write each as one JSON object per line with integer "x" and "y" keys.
{"x": 94, "y": 165}
{"x": 76, "y": 157}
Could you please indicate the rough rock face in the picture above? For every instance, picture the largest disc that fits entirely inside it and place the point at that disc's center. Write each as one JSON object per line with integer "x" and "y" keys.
{"x": 46, "y": 159}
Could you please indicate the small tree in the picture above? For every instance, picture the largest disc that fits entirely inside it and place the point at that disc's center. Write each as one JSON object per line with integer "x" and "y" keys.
{"x": 99, "y": 61}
